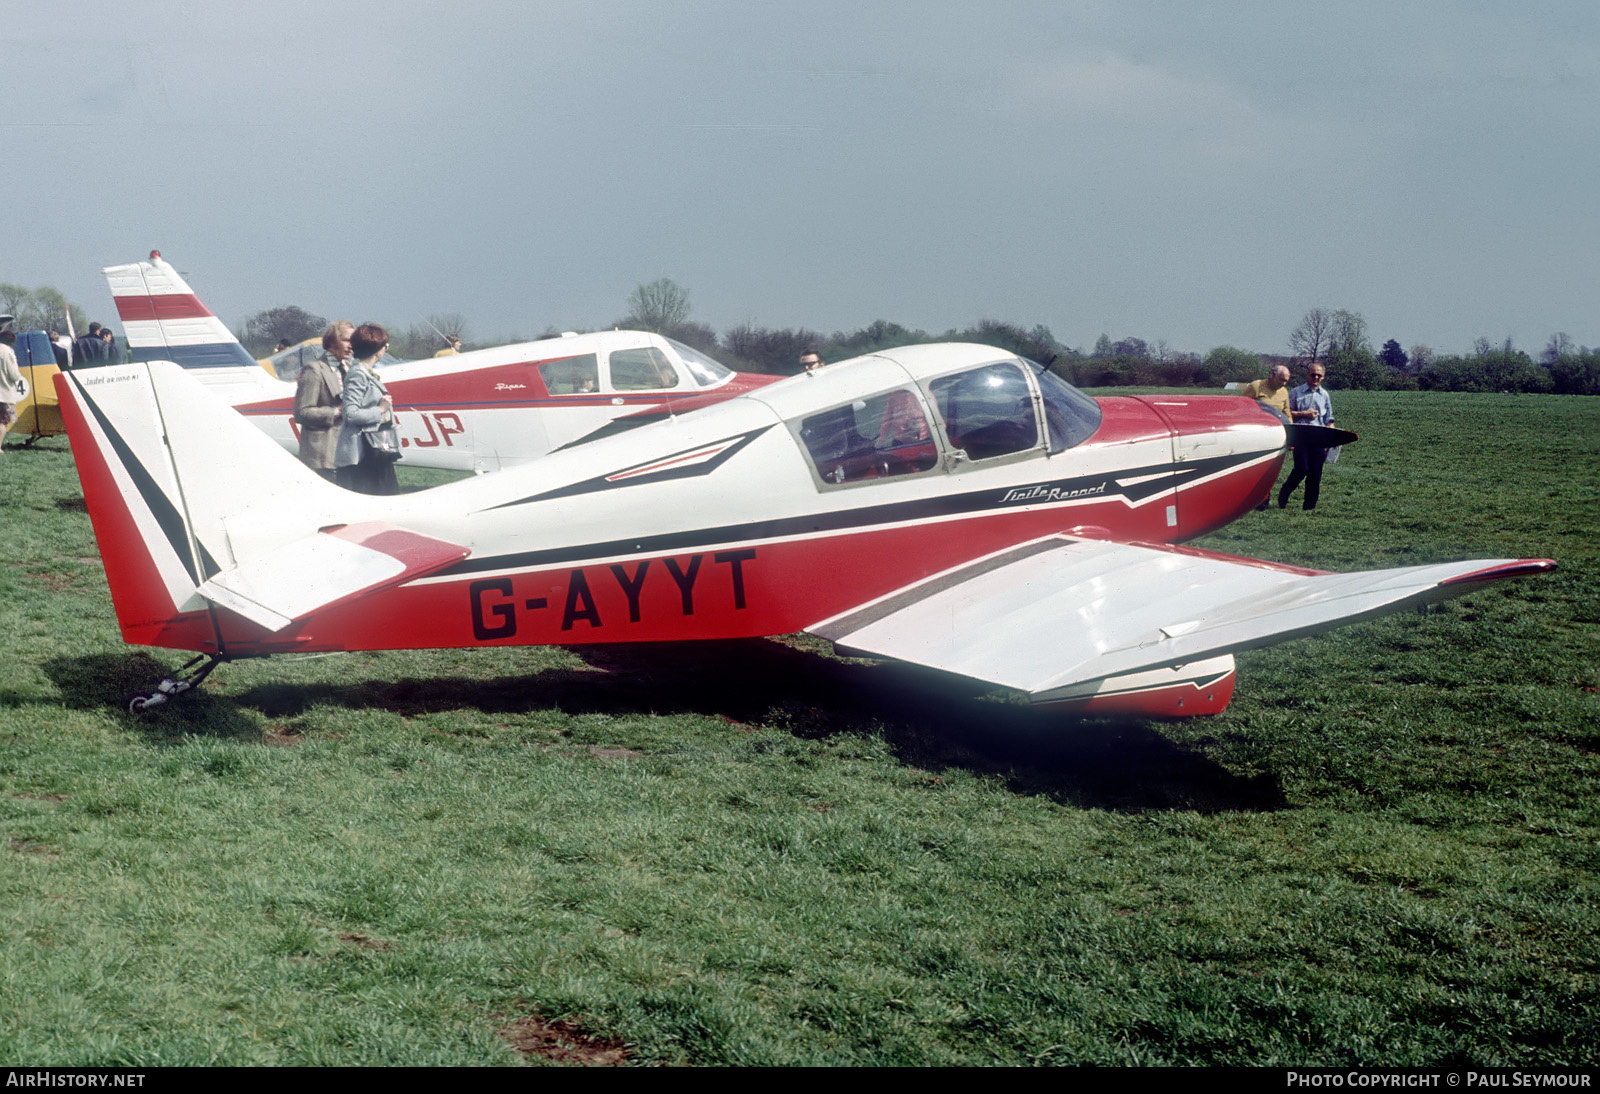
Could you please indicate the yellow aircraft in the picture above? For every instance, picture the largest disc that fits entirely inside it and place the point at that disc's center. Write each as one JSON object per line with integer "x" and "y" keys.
{"x": 38, "y": 412}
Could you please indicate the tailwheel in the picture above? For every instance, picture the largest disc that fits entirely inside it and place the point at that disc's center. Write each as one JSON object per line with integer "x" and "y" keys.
{"x": 138, "y": 702}
{"x": 184, "y": 680}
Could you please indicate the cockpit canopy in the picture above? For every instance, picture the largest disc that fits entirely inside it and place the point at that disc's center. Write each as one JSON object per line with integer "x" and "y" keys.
{"x": 1005, "y": 408}
{"x": 635, "y": 368}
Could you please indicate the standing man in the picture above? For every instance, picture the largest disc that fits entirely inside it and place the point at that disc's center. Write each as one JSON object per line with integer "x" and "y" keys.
{"x": 90, "y": 348}
{"x": 1308, "y": 405}
{"x": 810, "y": 361}
{"x": 12, "y": 387}
{"x": 452, "y": 346}
{"x": 1273, "y": 391}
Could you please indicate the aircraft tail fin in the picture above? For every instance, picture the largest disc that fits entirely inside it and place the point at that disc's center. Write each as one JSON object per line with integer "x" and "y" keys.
{"x": 178, "y": 486}
{"x": 164, "y": 320}
{"x": 215, "y": 539}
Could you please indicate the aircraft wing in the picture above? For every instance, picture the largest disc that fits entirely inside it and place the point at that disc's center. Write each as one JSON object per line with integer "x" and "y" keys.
{"x": 1048, "y": 616}
{"x": 326, "y": 568}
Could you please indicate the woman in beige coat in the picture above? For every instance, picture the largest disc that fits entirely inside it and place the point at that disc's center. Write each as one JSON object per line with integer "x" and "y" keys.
{"x": 318, "y": 402}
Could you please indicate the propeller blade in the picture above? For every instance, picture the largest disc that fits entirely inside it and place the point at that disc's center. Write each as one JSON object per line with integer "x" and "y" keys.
{"x": 1317, "y": 436}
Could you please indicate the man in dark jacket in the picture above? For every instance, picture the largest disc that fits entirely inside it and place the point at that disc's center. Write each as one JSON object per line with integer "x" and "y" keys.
{"x": 89, "y": 349}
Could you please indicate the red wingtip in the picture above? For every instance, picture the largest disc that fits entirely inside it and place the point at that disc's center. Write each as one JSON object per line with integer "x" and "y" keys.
{"x": 1520, "y": 568}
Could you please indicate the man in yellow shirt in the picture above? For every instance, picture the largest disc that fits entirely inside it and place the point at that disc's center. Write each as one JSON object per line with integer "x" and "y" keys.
{"x": 1273, "y": 391}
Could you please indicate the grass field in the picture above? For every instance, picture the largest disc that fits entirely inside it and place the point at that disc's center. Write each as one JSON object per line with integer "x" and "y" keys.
{"x": 1386, "y": 851}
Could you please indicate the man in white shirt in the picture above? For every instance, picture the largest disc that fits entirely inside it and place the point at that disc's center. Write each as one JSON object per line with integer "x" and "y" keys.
{"x": 1309, "y": 404}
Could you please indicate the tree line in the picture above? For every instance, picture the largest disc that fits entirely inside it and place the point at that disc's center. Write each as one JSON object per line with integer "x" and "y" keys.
{"x": 1337, "y": 338}
{"x": 43, "y": 308}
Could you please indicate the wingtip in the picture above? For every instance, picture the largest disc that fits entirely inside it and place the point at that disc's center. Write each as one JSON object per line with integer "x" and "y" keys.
{"x": 1522, "y": 567}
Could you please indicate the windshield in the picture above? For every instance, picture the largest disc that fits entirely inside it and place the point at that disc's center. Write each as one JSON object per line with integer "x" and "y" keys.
{"x": 288, "y": 363}
{"x": 705, "y": 371}
{"x": 1071, "y": 416}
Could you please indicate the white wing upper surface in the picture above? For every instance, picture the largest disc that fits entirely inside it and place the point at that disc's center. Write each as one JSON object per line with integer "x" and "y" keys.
{"x": 1058, "y": 612}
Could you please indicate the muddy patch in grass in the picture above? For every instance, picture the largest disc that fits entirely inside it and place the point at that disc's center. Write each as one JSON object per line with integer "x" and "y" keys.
{"x": 282, "y": 736}
{"x": 564, "y": 1042}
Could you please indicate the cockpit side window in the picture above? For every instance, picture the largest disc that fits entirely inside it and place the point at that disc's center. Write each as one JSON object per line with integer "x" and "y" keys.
{"x": 643, "y": 369}
{"x": 987, "y": 411}
{"x": 571, "y": 375}
{"x": 882, "y": 437}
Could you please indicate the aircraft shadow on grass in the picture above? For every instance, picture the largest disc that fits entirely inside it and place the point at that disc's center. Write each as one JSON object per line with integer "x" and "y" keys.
{"x": 932, "y": 722}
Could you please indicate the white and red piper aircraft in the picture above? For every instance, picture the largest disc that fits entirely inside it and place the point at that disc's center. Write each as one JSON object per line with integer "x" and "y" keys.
{"x": 476, "y": 411}
{"x": 948, "y": 505}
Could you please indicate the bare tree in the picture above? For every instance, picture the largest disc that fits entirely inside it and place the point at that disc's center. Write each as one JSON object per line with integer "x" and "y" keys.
{"x": 449, "y": 325}
{"x": 1421, "y": 357}
{"x": 1558, "y": 347}
{"x": 1349, "y": 332}
{"x": 1310, "y": 340}
{"x": 660, "y": 305}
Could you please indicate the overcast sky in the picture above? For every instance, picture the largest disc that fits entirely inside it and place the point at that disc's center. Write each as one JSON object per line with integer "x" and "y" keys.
{"x": 1198, "y": 173}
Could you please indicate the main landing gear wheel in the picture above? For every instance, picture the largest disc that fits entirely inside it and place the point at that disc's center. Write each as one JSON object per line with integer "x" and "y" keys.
{"x": 184, "y": 680}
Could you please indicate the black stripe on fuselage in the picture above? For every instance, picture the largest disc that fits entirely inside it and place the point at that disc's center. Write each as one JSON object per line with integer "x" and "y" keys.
{"x": 1089, "y": 488}
{"x": 687, "y": 471}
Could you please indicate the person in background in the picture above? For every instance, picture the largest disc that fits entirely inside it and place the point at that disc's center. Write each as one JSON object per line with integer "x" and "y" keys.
{"x": 1273, "y": 391}
{"x": 319, "y": 400}
{"x": 361, "y": 463}
{"x": 1309, "y": 404}
{"x": 452, "y": 349}
{"x": 90, "y": 348}
{"x": 811, "y": 360}
{"x": 62, "y": 347}
{"x": 12, "y": 387}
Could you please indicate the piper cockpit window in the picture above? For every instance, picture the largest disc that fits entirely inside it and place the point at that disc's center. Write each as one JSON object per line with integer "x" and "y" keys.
{"x": 988, "y": 411}
{"x": 571, "y": 375}
{"x": 643, "y": 369}
{"x": 881, "y": 437}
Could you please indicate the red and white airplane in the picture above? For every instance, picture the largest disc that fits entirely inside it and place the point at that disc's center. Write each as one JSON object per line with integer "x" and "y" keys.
{"x": 948, "y": 505}
{"x": 478, "y": 411}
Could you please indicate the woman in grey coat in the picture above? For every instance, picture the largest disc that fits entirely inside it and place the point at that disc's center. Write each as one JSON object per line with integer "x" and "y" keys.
{"x": 367, "y": 408}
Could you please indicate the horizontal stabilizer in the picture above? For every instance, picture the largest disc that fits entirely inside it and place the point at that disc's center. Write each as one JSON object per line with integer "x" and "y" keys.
{"x": 330, "y": 567}
{"x": 1048, "y": 616}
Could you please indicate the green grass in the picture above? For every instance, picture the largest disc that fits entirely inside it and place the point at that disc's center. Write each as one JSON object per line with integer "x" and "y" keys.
{"x": 1386, "y": 851}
